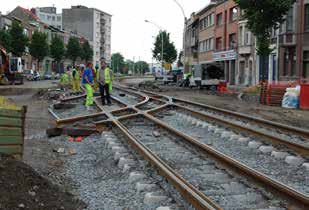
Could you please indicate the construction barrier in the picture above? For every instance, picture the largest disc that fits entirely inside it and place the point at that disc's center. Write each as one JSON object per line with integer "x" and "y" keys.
{"x": 272, "y": 94}
{"x": 12, "y": 128}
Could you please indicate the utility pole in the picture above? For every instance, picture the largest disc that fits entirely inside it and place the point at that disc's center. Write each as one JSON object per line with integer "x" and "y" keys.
{"x": 162, "y": 38}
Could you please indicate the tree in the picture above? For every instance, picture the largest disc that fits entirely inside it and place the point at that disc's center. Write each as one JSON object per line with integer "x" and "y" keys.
{"x": 264, "y": 16}
{"x": 57, "y": 50}
{"x": 169, "y": 50}
{"x": 179, "y": 61}
{"x": 39, "y": 48}
{"x": 141, "y": 67}
{"x": 19, "y": 40}
{"x": 128, "y": 65}
{"x": 73, "y": 49}
{"x": 5, "y": 39}
{"x": 87, "y": 52}
{"x": 117, "y": 62}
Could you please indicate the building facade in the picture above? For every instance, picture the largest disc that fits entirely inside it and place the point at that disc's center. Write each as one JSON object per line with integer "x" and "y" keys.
{"x": 94, "y": 25}
{"x": 206, "y": 37}
{"x": 294, "y": 43}
{"x": 225, "y": 37}
{"x": 30, "y": 22}
{"x": 48, "y": 15}
{"x": 246, "y": 74}
{"x": 217, "y": 36}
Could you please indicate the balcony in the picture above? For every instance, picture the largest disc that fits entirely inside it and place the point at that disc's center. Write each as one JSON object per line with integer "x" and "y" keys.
{"x": 287, "y": 39}
{"x": 245, "y": 49}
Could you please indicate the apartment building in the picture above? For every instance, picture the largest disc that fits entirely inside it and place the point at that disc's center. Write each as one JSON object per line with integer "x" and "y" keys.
{"x": 49, "y": 16}
{"x": 225, "y": 37}
{"x": 294, "y": 43}
{"x": 94, "y": 25}
{"x": 246, "y": 74}
{"x": 206, "y": 37}
{"x": 191, "y": 42}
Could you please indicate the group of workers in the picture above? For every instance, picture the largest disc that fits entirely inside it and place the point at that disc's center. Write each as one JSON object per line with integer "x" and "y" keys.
{"x": 92, "y": 79}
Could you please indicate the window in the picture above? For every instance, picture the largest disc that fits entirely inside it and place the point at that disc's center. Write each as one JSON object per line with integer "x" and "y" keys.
{"x": 307, "y": 17}
{"x": 232, "y": 40}
{"x": 247, "y": 38}
{"x": 241, "y": 29}
{"x": 289, "y": 21}
{"x": 219, "y": 43}
{"x": 219, "y": 19}
{"x": 59, "y": 18}
{"x": 306, "y": 64}
{"x": 233, "y": 14}
{"x": 53, "y": 18}
{"x": 42, "y": 17}
{"x": 48, "y": 17}
{"x": 206, "y": 45}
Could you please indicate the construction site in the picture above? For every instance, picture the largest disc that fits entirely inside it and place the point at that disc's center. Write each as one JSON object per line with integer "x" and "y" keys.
{"x": 150, "y": 150}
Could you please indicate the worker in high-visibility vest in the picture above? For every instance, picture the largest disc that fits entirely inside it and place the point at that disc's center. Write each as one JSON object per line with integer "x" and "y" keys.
{"x": 104, "y": 83}
{"x": 75, "y": 81}
{"x": 88, "y": 83}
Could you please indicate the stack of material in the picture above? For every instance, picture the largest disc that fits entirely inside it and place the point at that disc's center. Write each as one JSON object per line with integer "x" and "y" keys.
{"x": 12, "y": 128}
{"x": 272, "y": 94}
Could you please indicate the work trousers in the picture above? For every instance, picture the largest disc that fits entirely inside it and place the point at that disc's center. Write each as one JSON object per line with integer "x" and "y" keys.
{"x": 104, "y": 91}
{"x": 89, "y": 98}
{"x": 76, "y": 86}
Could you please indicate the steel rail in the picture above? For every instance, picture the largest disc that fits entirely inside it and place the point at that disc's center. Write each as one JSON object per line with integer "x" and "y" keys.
{"x": 299, "y": 148}
{"x": 286, "y": 128}
{"x": 192, "y": 195}
{"x": 286, "y": 191}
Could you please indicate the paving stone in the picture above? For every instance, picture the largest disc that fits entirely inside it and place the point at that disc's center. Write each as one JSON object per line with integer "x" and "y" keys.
{"x": 163, "y": 208}
{"x": 254, "y": 144}
{"x": 243, "y": 140}
{"x": 279, "y": 155}
{"x": 136, "y": 176}
{"x": 123, "y": 161}
{"x": 151, "y": 199}
{"x": 142, "y": 187}
{"x": 266, "y": 149}
{"x": 306, "y": 165}
{"x": 293, "y": 160}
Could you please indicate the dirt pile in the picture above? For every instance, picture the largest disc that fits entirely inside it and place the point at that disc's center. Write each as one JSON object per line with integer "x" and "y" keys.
{"x": 23, "y": 188}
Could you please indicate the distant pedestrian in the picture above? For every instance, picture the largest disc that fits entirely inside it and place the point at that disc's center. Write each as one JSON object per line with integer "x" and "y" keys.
{"x": 75, "y": 81}
{"x": 104, "y": 83}
{"x": 88, "y": 83}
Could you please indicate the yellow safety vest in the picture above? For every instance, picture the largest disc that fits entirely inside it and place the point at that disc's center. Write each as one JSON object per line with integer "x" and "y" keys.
{"x": 107, "y": 77}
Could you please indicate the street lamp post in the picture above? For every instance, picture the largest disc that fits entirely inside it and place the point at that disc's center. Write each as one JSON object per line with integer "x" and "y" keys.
{"x": 185, "y": 30}
{"x": 162, "y": 38}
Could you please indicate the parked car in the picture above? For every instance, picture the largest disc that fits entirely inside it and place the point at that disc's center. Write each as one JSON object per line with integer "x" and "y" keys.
{"x": 47, "y": 76}
{"x": 36, "y": 76}
{"x": 28, "y": 74}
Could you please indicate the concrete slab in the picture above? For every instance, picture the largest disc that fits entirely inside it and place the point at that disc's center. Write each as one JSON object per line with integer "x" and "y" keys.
{"x": 254, "y": 144}
{"x": 293, "y": 160}
{"x": 279, "y": 155}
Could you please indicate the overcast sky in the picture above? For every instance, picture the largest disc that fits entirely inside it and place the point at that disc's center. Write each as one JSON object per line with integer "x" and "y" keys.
{"x": 131, "y": 36}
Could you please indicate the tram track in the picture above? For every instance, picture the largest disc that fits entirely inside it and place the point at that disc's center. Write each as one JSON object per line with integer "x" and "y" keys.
{"x": 205, "y": 177}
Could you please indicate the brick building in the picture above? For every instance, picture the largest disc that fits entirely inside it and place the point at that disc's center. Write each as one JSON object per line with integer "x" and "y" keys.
{"x": 294, "y": 43}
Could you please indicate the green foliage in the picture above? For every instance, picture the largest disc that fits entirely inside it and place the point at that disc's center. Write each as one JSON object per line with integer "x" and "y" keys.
{"x": 39, "y": 47}
{"x": 5, "y": 39}
{"x": 87, "y": 52}
{"x": 19, "y": 40}
{"x": 141, "y": 67}
{"x": 117, "y": 62}
{"x": 169, "y": 50}
{"x": 57, "y": 49}
{"x": 73, "y": 49}
{"x": 263, "y": 16}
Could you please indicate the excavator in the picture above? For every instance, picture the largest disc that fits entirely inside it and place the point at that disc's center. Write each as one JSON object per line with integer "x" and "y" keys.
{"x": 11, "y": 69}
